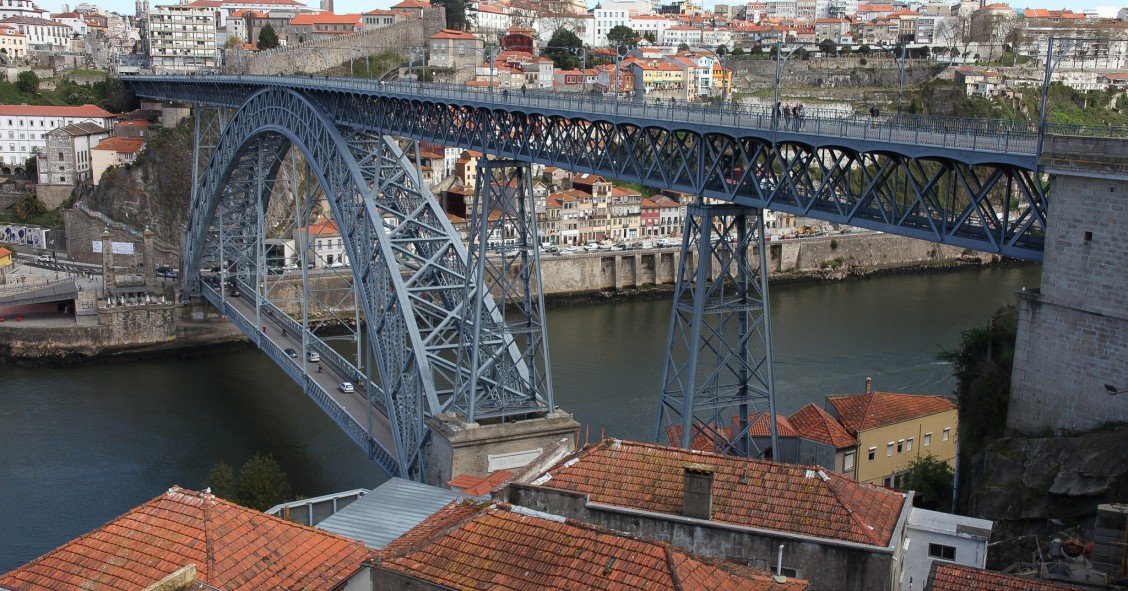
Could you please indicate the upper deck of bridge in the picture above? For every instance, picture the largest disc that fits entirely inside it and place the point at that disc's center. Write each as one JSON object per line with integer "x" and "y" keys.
{"x": 967, "y": 140}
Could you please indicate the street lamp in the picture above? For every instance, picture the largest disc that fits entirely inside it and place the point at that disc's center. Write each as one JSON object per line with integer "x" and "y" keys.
{"x": 491, "y": 53}
{"x": 900, "y": 70}
{"x": 621, "y": 52}
{"x": 780, "y": 61}
{"x": 1068, "y": 44}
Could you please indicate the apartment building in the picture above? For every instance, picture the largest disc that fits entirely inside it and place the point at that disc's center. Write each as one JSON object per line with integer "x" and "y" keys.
{"x": 41, "y": 35}
{"x": 66, "y": 158}
{"x": 182, "y": 39}
{"x": 24, "y": 128}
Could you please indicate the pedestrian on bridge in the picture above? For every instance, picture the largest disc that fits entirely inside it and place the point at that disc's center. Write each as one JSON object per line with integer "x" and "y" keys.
{"x": 318, "y": 368}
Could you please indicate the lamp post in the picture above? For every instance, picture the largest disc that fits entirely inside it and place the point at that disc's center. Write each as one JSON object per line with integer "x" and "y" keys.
{"x": 1068, "y": 43}
{"x": 583, "y": 68}
{"x": 491, "y": 53}
{"x": 780, "y": 61}
{"x": 900, "y": 71}
{"x": 621, "y": 52}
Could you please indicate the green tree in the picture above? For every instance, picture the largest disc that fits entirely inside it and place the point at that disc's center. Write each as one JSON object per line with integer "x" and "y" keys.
{"x": 982, "y": 367}
{"x": 29, "y": 207}
{"x": 828, "y": 47}
{"x": 262, "y": 483}
{"x": 564, "y": 50}
{"x": 31, "y": 166}
{"x": 932, "y": 479}
{"x": 119, "y": 98}
{"x": 267, "y": 39}
{"x": 738, "y": 52}
{"x": 27, "y": 82}
{"x": 621, "y": 35}
{"x": 233, "y": 41}
{"x": 865, "y": 49}
{"x": 683, "y": 47}
{"x": 222, "y": 482}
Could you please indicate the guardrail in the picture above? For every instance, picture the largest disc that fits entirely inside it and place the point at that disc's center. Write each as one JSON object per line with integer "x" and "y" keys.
{"x": 1010, "y": 136}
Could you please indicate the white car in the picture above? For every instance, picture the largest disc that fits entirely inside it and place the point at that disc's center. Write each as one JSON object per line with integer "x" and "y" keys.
{"x": 346, "y": 387}
{"x": 336, "y": 265}
{"x": 313, "y": 356}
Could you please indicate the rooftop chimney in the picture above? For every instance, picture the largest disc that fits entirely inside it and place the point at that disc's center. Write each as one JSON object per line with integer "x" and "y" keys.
{"x": 697, "y": 501}
{"x": 869, "y": 385}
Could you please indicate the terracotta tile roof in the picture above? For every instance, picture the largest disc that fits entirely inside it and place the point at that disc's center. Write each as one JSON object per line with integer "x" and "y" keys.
{"x": 53, "y": 111}
{"x": 862, "y": 412}
{"x": 4, "y": 252}
{"x": 412, "y": 4}
{"x": 945, "y": 576}
{"x": 479, "y": 486}
{"x": 816, "y": 424}
{"x": 234, "y": 548}
{"x": 121, "y": 145}
{"x": 323, "y": 228}
{"x": 750, "y": 493}
{"x": 503, "y": 548}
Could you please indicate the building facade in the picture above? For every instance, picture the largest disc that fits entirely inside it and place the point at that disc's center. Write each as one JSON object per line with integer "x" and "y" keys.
{"x": 182, "y": 39}
{"x": 66, "y": 158}
{"x": 24, "y": 128}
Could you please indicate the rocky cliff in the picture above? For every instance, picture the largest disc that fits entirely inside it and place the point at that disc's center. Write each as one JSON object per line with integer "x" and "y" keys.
{"x": 155, "y": 190}
{"x": 1022, "y": 483}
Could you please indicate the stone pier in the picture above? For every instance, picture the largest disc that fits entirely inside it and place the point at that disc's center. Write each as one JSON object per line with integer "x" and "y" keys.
{"x": 1073, "y": 332}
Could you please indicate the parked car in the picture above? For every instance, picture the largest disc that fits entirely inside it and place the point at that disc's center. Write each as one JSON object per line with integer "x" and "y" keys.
{"x": 291, "y": 353}
{"x": 336, "y": 265}
{"x": 313, "y": 356}
{"x": 346, "y": 387}
{"x": 44, "y": 258}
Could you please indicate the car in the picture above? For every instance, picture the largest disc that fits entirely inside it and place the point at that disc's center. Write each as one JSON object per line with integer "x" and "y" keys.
{"x": 336, "y": 265}
{"x": 313, "y": 356}
{"x": 163, "y": 271}
{"x": 291, "y": 353}
{"x": 346, "y": 387}
{"x": 173, "y": 274}
{"x": 44, "y": 258}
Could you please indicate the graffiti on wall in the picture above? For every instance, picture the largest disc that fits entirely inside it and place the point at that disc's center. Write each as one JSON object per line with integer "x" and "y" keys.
{"x": 23, "y": 235}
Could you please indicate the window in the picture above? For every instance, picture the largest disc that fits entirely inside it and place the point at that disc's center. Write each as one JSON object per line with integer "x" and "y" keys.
{"x": 941, "y": 551}
{"x": 848, "y": 461}
{"x": 889, "y": 449}
{"x": 872, "y": 453}
{"x": 909, "y": 444}
{"x": 927, "y": 439}
{"x": 900, "y": 445}
{"x": 947, "y": 433}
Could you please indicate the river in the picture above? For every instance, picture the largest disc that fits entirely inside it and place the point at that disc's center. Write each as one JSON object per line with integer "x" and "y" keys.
{"x": 80, "y": 446}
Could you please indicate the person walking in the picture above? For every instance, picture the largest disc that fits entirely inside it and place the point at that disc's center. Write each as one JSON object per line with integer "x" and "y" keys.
{"x": 787, "y": 115}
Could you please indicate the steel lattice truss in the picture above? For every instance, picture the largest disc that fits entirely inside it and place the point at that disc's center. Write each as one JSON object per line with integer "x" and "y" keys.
{"x": 717, "y": 382}
{"x": 978, "y": 199}
{"x": 506, "y": 357}
{"x": 408, "y": 265}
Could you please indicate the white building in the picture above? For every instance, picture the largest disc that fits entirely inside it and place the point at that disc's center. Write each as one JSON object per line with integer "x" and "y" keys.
{"x": 607, "y": 19}
{"x": 324, "y": 245}
{"x": 40, "y": 34}
{"x": 652, "y": 24}
{"x": 488, "y": 20}
{"x": 23, "y": 128}
{"x": 21, "y": 8}
{"x": 73, "y": 20}
{"x": 681, "y": 35}
{"x": 182, "y": 38}
{"x": 783, "y": 8}
{"x": 66, "y": 159}
{"x": 933, "y": 536}
{"x": 12, "y": 42}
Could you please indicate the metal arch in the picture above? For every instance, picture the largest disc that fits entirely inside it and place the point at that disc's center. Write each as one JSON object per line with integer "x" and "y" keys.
{"x": 404, "y": 381}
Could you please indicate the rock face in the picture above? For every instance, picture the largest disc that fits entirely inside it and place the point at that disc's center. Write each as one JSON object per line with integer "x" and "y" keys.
{"x": 1021, "y": 483}
{"x": 154, "y": 191}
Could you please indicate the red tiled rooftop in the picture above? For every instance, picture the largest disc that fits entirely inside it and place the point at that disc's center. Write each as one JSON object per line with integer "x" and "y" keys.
{"x": 324, "y": 227}
{"x": 234, "y": 548}
{"x": 862, "y": 412}
{"x": 122, "y": 145}
{"x": 954, "y": 577}
{"x": 816, "y": 424}
{"x": 53, "y": 111}
{"x": 750, "y": 493}
{"x": 503, "y": 548}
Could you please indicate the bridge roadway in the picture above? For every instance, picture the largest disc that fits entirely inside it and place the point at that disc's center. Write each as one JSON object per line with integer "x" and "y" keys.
{"x": 277, "y": 332}
{"x": 970, "y": 183}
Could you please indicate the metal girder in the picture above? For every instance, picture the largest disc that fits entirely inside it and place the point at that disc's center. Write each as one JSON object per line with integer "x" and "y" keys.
{"x": 717, "y": 385}
{"x": 408, "y": 266}
{"x": 837, "y": 179}
{"x": 504, "y": 356}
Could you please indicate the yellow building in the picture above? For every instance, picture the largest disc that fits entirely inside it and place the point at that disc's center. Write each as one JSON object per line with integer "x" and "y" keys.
{"x": 894, "y": 429}
{"x": 5, "y": 257}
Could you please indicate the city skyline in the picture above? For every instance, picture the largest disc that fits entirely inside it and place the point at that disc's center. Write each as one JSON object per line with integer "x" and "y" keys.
{"x": 126, "y": 7}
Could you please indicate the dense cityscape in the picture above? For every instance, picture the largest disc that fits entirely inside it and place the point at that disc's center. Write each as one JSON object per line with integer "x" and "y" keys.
{"x": 223, "y": 222}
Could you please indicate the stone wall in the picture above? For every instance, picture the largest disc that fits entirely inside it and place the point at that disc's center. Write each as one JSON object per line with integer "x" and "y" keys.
{"x": 1073, "y": 333}
{"x": 53, "y": 195}
{"x": 82, "y": 231}
{"x": 117, "y": 328}
{"x": 322, "y": 54}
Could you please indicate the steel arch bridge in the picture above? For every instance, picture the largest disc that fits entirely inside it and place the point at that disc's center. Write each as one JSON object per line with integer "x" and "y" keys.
{"x": 409, "y": 276}
{"x": 974, "y": 184}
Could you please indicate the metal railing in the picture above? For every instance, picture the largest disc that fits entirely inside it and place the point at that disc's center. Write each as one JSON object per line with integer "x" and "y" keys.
{"x": 1009, "y": 136}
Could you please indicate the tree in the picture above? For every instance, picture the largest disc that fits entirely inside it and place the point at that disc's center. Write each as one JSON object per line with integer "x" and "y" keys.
{"x": 31, "y": 166}
{"x": 119, "y": 98}
{"x": 27, "y": 82}
{"x": 982, "y": 367}
{"x": 621, "y": 35}
{"x": 267, "y": 39}
{"x": 865, "y": 49}
{"x": 683, "y": 47}
{"x": 233, "y": 41}
{"x": 563, "y": 49}
{"x": 932, "y": 479}
{"x": 29, "y": 207}
{"x": 738, "y": 52}
{"x": 222, "y": 482}
{"x": 828, "y": 47}
{"x": 262, "y": 483}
